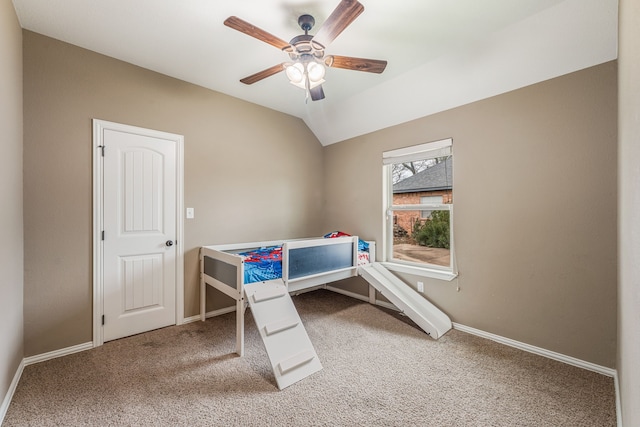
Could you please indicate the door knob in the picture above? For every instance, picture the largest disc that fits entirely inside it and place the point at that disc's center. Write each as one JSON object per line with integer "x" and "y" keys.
{"x": 169, "y": 243}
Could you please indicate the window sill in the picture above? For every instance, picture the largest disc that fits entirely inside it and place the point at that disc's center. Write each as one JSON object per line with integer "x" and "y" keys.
{"x": 420, "y": 271}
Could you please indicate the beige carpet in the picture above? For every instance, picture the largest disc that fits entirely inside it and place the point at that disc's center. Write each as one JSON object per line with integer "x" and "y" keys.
{"x": 379, "y": 370}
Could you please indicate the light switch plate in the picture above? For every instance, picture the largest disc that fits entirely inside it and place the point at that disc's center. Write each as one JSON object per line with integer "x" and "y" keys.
{"x": 190, "y": 213}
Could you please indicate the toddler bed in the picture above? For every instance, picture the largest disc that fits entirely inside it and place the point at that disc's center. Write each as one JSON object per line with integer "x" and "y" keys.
{"x": 300, "y": 264}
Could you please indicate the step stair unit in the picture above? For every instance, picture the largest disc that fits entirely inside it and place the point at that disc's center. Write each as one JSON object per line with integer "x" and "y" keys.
{"x": 288, "y": 346}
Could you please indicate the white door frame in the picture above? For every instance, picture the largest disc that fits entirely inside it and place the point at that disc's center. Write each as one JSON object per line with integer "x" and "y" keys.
{"x": 99, "y": 126}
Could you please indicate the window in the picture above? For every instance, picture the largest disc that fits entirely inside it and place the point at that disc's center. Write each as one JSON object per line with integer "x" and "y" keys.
{"x": 419, "y": 206}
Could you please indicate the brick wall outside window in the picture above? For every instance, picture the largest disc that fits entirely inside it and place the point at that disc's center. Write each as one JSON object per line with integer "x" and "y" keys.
{"x": 406, "y": 219}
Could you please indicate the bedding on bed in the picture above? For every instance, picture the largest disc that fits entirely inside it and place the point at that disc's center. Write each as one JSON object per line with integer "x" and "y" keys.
{"x": 263, "y": 264}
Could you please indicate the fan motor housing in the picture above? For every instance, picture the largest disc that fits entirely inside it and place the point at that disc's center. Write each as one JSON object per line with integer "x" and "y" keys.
{"x": 303, "y": 45}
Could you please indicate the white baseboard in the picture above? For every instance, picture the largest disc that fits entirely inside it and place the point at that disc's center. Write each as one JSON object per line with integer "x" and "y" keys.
{"x": 191, "y": 319}
{"x": 616, "y": 384}
{"x": 361, "y": 297}
{"x": 538, "y": 350}
{"x": 305, "y": 290}
{"x": 609, "y": 372}
{"x": 12, "y": 389}
{"x": 57, "y": 353}
{"x": 30, "y": 361}
{"x": 347, "y": 293}
{"x": 219, "y": 312}
{"x": 502, "y": 340}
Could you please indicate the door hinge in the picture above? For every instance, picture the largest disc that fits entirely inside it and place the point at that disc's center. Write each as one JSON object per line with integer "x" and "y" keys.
{"x": 102, "y": 235}
{"x": 103, "y": 320}
{"x": 101, "y": 147}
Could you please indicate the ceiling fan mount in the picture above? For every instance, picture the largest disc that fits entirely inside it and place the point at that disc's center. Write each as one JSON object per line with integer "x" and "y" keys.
{"x": 307, "y": 52}
{"x": 306, "y": 22}
{"x": 303, "y": 48}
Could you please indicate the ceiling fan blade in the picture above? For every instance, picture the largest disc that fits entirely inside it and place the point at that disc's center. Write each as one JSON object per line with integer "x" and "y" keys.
{"x": 358, "y": 64}
{"x": 317, "y": 93}
{"x": 262, "y": 74}
{"x": 343, "y": 15}
{"x": 253, "y": 31}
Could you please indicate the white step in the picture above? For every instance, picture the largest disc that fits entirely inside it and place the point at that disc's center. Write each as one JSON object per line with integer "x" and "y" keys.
{"x": 426, "y": 315}
{"x": 288, "y": 346}
{"x": 296, "y": 361}
{"x": 267, "y": 293}
{"x": 280, "y": 325}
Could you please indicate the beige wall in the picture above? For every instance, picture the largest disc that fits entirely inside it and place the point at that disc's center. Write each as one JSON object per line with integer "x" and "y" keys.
{"x": 11, "y": 270}
{"x": 250, "y": 173}
{"x": 535, "y": 210}
{"x": 535, "y": 183}
{"x": 629, "y": 206}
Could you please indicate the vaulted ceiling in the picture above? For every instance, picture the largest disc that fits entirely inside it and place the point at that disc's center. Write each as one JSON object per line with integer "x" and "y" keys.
{"x": 440, "y": 53}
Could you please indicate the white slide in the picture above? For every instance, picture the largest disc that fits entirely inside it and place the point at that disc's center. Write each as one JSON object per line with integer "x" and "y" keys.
{"x": 426, "y": 315}
{"x": 290, "y": 351}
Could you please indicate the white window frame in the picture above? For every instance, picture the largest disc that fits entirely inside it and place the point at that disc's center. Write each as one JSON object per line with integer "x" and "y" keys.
{"x": 429, "y": 150}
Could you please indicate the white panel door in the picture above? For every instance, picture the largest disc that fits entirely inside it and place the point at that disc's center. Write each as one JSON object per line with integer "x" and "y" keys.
{"x": 139, "y": 221}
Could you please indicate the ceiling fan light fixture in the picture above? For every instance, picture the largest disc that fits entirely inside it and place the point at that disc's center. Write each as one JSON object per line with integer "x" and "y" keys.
{"x": 315, "y": 71}
{"x": 305, "y": 75}
{"x": 295, "y": 73}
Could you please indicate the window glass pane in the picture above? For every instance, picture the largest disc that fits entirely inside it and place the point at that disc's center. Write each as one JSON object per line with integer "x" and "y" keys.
{"x": 422, "y": 235}
{"x": 427, "y": 242}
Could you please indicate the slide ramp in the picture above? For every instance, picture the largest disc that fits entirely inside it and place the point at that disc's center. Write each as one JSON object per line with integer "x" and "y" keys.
{"x": 290, "y": 351}
{"x": 426, "y": 315}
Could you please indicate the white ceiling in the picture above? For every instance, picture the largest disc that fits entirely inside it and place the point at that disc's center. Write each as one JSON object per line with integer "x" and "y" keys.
{"x": 440, "y": 53}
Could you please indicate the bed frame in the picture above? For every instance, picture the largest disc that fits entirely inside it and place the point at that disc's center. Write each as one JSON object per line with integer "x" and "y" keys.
{"x": 305, "y": 263}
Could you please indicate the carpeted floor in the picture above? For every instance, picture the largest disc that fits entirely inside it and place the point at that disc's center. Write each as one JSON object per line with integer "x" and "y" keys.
{"x": 379, "y": 370}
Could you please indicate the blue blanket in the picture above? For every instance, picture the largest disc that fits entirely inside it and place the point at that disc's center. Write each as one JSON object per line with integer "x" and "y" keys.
{"x": 262, "y": 264}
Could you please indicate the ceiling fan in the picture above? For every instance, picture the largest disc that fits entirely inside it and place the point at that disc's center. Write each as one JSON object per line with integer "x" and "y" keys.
{"x": 306, "y": 52}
